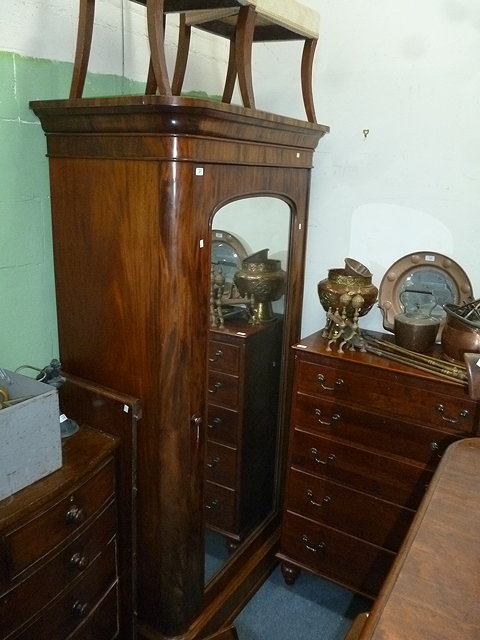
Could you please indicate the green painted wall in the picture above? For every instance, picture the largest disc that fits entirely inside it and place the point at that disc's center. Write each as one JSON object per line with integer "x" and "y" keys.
{"x": 28, "y": 329}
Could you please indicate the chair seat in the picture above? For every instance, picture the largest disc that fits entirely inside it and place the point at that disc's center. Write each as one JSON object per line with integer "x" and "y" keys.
{"x": 291, "y": 19}
{"x": 244, "y": 22}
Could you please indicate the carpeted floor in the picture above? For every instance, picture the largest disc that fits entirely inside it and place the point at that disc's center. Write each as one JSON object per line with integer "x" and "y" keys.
{"x": 311, "y": 609}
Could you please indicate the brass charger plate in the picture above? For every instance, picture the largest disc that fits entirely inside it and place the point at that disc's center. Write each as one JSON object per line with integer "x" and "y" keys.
{"x": 423, "y": 271}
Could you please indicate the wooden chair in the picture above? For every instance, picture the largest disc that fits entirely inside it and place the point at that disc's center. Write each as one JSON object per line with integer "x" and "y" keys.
{"x": 241, "y": 21}
{"x": 252, "y": 21}
{"x": 156, "y": 35}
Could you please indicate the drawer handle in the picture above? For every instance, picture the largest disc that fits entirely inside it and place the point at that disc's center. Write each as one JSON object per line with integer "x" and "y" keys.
{"x": 216, "y": 422}
{"x": 75, "y": 515}
{"x": 312, "y": 500}
{"x": 330, "y": 457}
{"x": 321, "y": 379}
{"x": 318, "y": 548}
{"x": 215, "y": 388}
{"x": 463, "y": 414}
{"x": 212, "y": 504}
{"x": 214, "y": 462}
{"x": 80, "y": 608}
{"x": 334, "y": 418}
{"x": 79, "y": 560}
{"x": 217, "y": 356}
{"x": 434, "y": 446}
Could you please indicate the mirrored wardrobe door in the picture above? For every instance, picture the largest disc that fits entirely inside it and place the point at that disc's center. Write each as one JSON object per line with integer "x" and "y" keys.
{"x": 250, "y": 251}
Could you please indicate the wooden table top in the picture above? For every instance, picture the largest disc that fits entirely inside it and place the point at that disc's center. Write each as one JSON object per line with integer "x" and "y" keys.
{"x": 433, "y": 589}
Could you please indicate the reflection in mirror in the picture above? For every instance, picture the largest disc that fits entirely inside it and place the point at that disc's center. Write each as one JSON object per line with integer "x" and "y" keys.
{"x": 250, "y": 242}
{"x": 438, "y": 284}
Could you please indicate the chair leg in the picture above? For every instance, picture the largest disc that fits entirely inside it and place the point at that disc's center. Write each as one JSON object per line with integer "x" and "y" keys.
{"x": 151, "y": 85}
{"x": 156, "y": 39}
{"x": 306, "y": 76}
{"x": 231, "y": 74}
{"x": 243, "y": 53}
{"x": 84, "y": 43}
{"x": 184, "y": 34}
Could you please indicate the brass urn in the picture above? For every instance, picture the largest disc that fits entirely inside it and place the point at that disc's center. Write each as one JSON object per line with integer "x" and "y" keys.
{"x": 262, "y": 281}
{"x": 347, "y": 293}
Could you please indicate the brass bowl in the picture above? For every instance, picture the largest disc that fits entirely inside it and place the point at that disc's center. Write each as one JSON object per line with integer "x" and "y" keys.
{"x": 356, "y": 268}
{"x": 459, "y": 337}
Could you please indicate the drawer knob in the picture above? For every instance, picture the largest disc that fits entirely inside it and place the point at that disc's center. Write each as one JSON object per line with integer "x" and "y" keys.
{"x": 80, "y": 608}
{"x": 214, "y": 462}
{"x": 318, "y": 548}
{"x": 335, "y": 417}
{"x": 321, "y": 379}
{"x": 330, "y": 458}
{"x": 462, "y": 414}
{"x": 215, "y": 388}
{"x": 216, "y": 422}
{"x": 79, "y": 560}
{"x": 311, "y": 499}
{"x": 218, "y": 354}
{"x": 212, "y": 504}
{"x": 75, "y": 515}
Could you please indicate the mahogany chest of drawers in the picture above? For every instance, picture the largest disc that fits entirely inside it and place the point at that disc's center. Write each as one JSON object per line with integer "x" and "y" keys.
{"x": 366, "y": 437}
{"x": 243, "y": 380}
{"x": 58, "y": 537}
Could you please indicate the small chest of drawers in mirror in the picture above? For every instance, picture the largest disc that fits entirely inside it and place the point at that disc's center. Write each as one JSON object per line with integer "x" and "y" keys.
{"x": 58, "y": 575}
{"x": 366, "y": 436}
{"x": 243, "y": 380}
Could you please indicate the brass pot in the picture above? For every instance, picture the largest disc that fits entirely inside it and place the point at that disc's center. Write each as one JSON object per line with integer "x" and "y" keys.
{"x": 345, "y": 291}
{"x": 416, "y": 329}
{"x": 262, "y": 280}
{"x": 416, "y": 333}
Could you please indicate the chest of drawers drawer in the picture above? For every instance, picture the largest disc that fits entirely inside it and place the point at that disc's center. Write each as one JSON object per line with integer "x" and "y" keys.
{"x": 343, "y": 508}
{"x": 223, "y": 356}
{"x": 23, "y": 544}
{"x": 221, "y": 464}
{"x": 103, "y": 621}
{"x": 389, "y": 394}
{"x": 345, "y": 559}
{"x": 29, "y": 596}
{"x": 223, "y": 389}
{"x": 77, "y": 602}
{"x": 387, "y": 478}
{"x": 220, "y": 505}
{"x": 223, "y": 424}
{"x": 385, "y": 434}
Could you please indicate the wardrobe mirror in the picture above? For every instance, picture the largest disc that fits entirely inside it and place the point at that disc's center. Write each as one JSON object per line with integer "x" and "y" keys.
{"x": 248, "y": 293}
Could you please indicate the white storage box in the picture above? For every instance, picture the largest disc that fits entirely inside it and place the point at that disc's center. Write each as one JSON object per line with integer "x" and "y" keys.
{"x": 30, "y": 442}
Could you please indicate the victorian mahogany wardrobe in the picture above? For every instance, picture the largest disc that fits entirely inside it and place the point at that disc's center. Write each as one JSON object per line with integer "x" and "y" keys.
{"x": 135, "y": 182}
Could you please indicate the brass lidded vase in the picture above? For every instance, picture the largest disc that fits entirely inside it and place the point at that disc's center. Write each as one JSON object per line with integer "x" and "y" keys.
{"x": 262, "y": 280}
